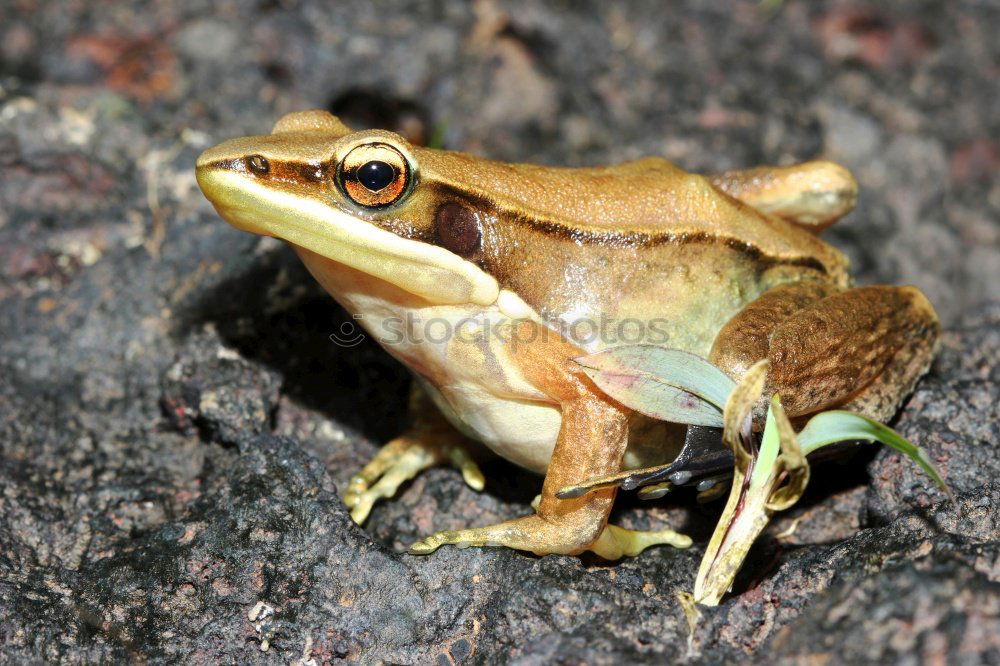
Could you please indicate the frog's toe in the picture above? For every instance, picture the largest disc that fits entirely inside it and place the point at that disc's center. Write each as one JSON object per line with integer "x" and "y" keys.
{"x": 433, "y": 542}
{"x": 616, "y": 542}
{"x": 399, "y": 461}
{"x": 407, "y": 466}
{"x": 463, "y": 462}
{"x": 477, "y": 536}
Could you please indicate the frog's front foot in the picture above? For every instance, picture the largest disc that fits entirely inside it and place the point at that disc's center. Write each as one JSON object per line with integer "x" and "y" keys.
{"x": 402, "y": 459}
{"x": 547, "y": 537}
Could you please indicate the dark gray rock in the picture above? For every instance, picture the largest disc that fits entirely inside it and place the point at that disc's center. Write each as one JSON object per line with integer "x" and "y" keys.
{"x": 175, "y": 421}
{"x": 954, "y": 415}
{"x": 939, "y": 608}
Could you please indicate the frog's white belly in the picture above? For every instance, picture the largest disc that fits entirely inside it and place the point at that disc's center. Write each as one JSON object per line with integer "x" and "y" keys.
{"x": 479, "y": 389}
{"x": 522, "y": 432}
{"x": 463, "y": 360}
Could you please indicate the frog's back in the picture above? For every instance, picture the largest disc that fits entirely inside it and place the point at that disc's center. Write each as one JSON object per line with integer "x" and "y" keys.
{"x": 642, "y": 241}
{"x": 644, "y": 201}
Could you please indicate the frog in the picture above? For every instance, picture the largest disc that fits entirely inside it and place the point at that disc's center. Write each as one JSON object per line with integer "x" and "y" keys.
{"x": 520, "y": 265}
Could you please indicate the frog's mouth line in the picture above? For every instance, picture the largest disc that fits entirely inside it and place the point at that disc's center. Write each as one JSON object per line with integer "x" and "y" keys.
{"x": 425, "y": 270}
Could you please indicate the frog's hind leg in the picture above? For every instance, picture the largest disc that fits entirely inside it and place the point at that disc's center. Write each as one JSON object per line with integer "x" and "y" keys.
{"x": 617, "y": 542}
{"x": 916, "y": 346}
{"x": 591, "y": 441}
{"x": 812, "y": 195}
{"x": 745, "y": 338}
{"x": 430, "y": 441}
{"x": 861, "y": 349}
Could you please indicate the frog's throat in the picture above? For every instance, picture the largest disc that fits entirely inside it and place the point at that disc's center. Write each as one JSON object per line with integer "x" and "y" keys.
{"x": 425, "y": 270}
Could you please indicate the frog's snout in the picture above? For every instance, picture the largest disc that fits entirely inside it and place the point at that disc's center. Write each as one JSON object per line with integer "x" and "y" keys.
{"x": 205, "y": 159}
{"x": 205, "y": 164}
{"x": 242, "y": 155}
{"x": 216, "y": 166}
{"x": 213, "y": 156}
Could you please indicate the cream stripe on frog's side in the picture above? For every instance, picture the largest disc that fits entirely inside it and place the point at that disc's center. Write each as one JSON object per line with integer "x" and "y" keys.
{"x": 307, "y": 221}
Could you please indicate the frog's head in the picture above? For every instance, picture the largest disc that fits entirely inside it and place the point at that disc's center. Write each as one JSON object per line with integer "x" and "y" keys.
{"x": 352, "y": 197}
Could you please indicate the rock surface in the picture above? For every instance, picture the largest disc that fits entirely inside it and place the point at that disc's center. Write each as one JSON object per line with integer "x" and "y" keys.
{"x": 175, "y": 420}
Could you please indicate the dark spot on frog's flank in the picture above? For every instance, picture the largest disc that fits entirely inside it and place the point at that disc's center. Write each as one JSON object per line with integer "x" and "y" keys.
{"x": 360, "y": 108}
{"x": 458, "y": 228}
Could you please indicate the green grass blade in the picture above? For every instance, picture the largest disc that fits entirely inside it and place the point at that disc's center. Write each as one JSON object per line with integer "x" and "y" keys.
{"x": 672, "y": 367}
{"x": 650, "y": 396}
{"x": 767, "y": 455}
{"x": 840, "y": 426}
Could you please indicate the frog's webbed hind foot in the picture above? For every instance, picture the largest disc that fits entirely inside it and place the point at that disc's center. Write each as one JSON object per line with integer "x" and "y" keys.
{"x": 402, "y": 459}
{"x": 545, "y": 537}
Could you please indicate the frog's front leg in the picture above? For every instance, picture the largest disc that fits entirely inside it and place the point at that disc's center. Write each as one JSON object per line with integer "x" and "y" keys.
{"x": 430, "y": 440}
{"x": 860, "y": 349}
{"x": 592, "y": 441}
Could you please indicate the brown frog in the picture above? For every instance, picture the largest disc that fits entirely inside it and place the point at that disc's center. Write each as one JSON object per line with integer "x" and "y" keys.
{"x": 519, "y": 265}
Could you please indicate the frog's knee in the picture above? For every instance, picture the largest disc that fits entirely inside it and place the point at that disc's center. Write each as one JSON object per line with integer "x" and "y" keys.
{"x": 812, "y": 195}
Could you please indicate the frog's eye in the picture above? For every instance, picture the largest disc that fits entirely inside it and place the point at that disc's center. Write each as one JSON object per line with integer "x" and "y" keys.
{"x": 374, "y": 175}
{"x": 258, "y": 164}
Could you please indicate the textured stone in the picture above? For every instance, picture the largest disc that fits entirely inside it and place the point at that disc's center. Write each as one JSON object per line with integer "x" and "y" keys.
{"x": 175, "y": 420}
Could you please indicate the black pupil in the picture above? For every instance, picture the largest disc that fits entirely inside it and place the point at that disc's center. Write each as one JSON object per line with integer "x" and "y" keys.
{"x": 375, "y": 175}
{"x": 258, "y": 164}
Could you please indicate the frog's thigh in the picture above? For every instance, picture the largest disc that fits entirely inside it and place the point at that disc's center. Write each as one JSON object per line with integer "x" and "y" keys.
{"x": 430, "y": 440}
{"x": 812, "y": 194}
{"x": 745, "y": 338}
{"x": 916, "y": 347}
{"x": 863, "y": 349}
